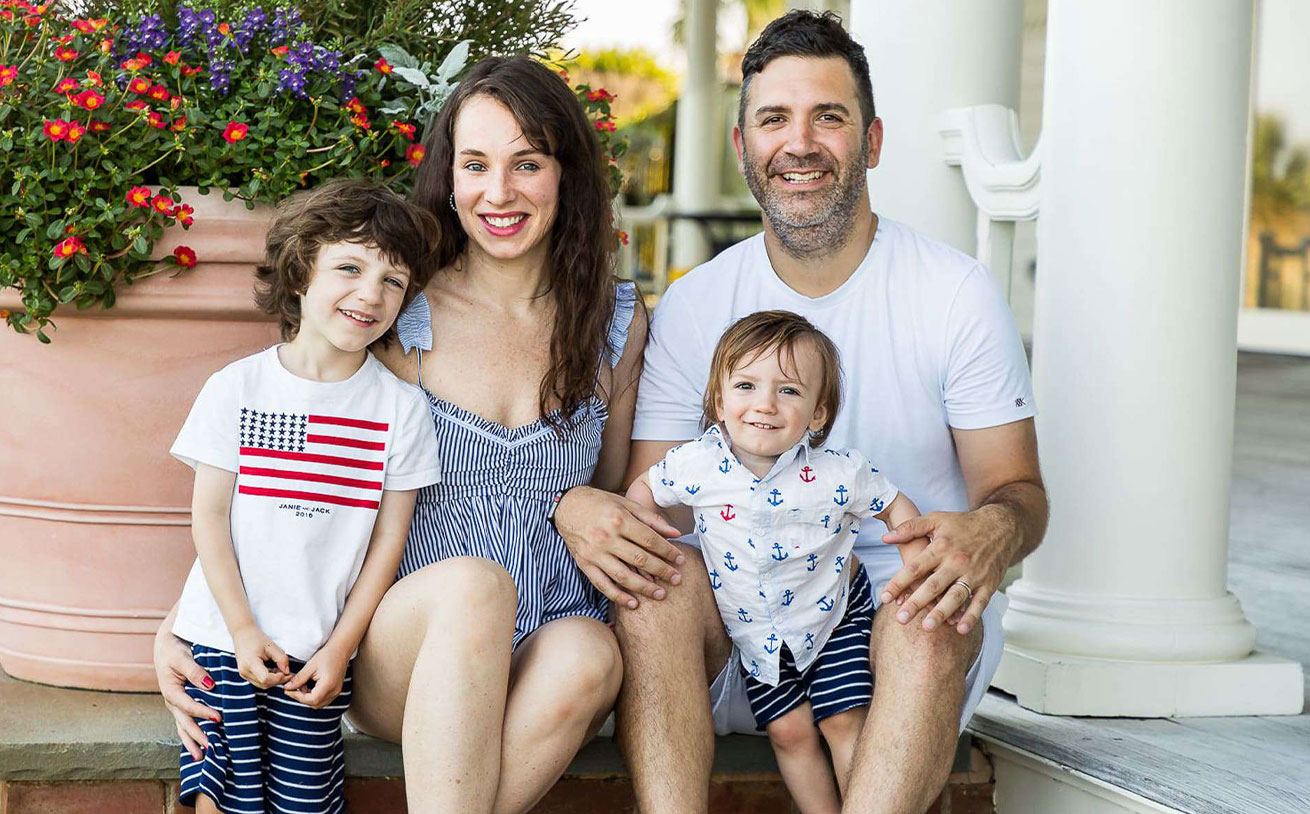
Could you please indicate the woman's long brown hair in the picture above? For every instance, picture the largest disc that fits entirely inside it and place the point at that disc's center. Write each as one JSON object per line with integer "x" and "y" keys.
{"x": 583, "y": 243}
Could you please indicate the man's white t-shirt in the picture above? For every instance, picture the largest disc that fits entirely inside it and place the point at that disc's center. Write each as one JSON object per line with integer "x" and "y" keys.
{"x": 927, "y": 344}
{"x": 312, "y": 461}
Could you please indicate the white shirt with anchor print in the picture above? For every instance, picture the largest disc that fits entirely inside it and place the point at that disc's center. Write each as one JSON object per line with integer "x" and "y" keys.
{"x": 776, "y": 547}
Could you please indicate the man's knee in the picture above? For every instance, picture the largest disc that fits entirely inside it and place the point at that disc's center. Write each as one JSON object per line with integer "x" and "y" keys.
{"x": 919, "y": 655}
{"x": 674, "y": 616}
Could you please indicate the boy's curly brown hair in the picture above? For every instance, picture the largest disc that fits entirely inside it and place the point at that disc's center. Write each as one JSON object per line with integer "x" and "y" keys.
{"x": 344, "y": 209}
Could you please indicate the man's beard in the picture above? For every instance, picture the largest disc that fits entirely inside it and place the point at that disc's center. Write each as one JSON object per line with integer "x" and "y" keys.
{"x": 811, "y": 224}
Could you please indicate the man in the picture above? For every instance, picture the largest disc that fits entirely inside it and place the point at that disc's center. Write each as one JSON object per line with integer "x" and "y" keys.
{"x": 939, "y": 397}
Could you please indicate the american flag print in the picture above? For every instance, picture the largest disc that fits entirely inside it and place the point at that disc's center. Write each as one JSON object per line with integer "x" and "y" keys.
{"x": 317, "y": 458}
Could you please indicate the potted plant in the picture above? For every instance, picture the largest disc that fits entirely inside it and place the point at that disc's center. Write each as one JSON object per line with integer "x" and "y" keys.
{"x": 138, "y": 159}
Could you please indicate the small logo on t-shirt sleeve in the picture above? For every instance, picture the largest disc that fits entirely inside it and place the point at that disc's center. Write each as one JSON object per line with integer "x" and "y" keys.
{"x": 1019, "y": 402}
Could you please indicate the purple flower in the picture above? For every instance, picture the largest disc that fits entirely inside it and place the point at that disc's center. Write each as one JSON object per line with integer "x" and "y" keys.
{"x": 292, "y": 80}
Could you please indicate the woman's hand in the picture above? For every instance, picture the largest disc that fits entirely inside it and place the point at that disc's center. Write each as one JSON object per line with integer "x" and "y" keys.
{"x": 618, "y": 544}
{"x": 174, "y": 668}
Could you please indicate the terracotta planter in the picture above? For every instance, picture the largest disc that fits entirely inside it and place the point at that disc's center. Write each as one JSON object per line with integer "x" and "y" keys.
{"x": 94, "y": 514}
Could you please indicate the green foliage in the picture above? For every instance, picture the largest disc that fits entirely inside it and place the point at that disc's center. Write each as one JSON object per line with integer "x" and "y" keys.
{"x": 425, "y": 28}
{"x": 1280, "y": 173}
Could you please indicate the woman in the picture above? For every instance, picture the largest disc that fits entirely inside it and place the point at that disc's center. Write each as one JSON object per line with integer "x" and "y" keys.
{"x": 489, "y": 659}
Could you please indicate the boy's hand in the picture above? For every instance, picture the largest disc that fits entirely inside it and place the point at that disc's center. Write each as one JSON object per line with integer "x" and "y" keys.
{"x": 253, "y": 649}
{"x": 327, "y": 669}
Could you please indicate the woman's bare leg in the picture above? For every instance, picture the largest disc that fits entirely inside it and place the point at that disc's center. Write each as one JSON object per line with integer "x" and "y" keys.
{"x": 432, "y": 673}
{"x": 563, "y": 683}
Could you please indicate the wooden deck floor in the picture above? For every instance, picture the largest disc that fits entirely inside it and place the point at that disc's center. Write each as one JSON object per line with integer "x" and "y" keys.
{"x": 1229, "y": 765}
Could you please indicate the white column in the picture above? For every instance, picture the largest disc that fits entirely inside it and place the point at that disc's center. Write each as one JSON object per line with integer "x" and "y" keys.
{"x": 926, "y": 57}
{"x": 1124, "y": 609}
{"x": 698, "y": 141}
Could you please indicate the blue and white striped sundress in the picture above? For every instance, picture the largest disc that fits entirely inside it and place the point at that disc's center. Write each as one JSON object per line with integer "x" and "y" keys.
{"x": 497, "y": 485}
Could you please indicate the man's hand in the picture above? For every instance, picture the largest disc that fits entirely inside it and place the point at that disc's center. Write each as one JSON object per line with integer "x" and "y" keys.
{"x": 174, "y": 668}
{"x": 975, "y": 547}
{"x": 618, "y": 544}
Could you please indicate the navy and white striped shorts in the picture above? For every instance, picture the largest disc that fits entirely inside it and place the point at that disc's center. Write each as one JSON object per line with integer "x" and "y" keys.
{"x": 270, "y": 753}
{"x": 838, "y": 679}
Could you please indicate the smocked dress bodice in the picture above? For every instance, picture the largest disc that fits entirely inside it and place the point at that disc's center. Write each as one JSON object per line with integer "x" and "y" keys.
{"x": 498, "y": 483}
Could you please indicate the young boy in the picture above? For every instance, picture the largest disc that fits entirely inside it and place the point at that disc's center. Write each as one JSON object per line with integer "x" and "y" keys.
{"x": 777, "y": 518}
{"x": 308, "y": 456}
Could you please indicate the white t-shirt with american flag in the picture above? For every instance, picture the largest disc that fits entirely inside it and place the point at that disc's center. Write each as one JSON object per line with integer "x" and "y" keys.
{"x": 312, "y": 461}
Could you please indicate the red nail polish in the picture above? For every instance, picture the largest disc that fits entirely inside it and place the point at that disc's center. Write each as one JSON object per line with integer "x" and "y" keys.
{"x": 208, "y": 682}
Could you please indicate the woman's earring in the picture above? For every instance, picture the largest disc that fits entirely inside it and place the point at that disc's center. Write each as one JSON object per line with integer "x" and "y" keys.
{"x": 452, "y": 203}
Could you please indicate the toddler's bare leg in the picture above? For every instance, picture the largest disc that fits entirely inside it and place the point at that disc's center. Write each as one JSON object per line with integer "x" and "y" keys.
{"x": 204, "y": 805}
{"x": 802, "y": 762}
{"x": 841, "y": 731}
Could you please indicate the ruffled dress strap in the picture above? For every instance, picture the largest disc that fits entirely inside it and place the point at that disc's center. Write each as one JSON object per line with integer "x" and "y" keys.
{"x": 625, "y": 305}
{"x": 414, "y": 327}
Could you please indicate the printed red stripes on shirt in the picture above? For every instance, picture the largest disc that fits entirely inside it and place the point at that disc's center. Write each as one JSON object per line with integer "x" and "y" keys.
{"x": 281, "y": 458}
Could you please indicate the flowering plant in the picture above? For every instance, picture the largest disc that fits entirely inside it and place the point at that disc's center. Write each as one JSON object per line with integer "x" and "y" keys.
{"x": 101, "y": 121}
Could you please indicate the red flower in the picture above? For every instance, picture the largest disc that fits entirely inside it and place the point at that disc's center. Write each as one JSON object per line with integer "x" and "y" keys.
{"x": 599, "y": 95}
{"x": 361, "y": 121}
{"x": 94, "y": 78}
{"x": 235, "y": 131}
{"x": 88, "y": 100}
{"x": 138, "y": 197}
{"x": 106, "y": 45}
{"x": 279, "y": 51}
{"x": 172, "y": 57}
{"x": 564, "y": 74}
{"x": 156, "y": 120}
{"x": 356, "y": 106}
{"x": 406, "y": 130}
{"x": 176, "y": 102}
{"x": 69, "y": 246}
{"x": 75, "y": 132}
{"x": 139, "y": 84}
{"x": 56, "y": 130}
{"x": 99, "y": 126}
{"x": 183, "y": 213}
{"x": 135, "y": 104}
{"x": 382, "y": 65}
{"x": 65, "y": 85}
{"x": 90, "y": 26}
{"x": 386, "y": 162}
{"x": 133, "y": 64}
{"x": 144, "y": 58}
{"x": 64, "y": 54}
{"x": 414, "y": 154}
{"x": 179, "y": 124}
{"x": 159, "y": 93}
{"x": 605, "y": 125}
{"x": 623, "y": 238}
{"x": 162, "y": 204}
{"x": 224, "y": 29}
{"x": 191, "y": 70}
{"x": 7, "y": 74}
{"x": 185, "y": 256}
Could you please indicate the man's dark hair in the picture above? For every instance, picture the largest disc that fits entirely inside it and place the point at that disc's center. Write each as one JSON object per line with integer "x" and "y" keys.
{"x": 802, "y": 33}
{"x": 343, "y": 209}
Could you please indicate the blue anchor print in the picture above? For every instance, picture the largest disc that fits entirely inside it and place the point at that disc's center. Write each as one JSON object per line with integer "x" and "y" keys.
{"x": 771, "y": 644}
{"x": 826, "y": 519}
{"x": 755, "y": 669}
{"x": 873, "y": 469}
{"x": 754, "y": 482}
{"x": 725, "y": 467}
{"x": 730, "y": 562}
{"x": 826, "y": 605}
{"x": 700, "y": 523}
{"x": 692, "y": 489}
{"x": 666, "y": 482}
{"x": 837, "y": 530}
{"x": 750, "y": 542}
{"x": 787, "y": 597}
{"x": 841, "y": 562}
{"x": 876, "y": 505}
{"x": 775, "y": 498}
{"x": 841, "y": 498}
{"x": 715, "y": 582}
{"x": 778, "y": 553}
{"x": 809, "y": 641}
{"x": 762, "y": 596}
{"x": 744, "y": 616}
{"x": 813, "y": 561}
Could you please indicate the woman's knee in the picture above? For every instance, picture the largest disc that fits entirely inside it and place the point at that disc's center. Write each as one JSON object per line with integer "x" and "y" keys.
{"x": 472, "y": 587}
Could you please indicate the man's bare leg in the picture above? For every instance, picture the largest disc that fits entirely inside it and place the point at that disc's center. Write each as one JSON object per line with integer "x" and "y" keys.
{"x": 903, "y": 757}
{"x": 672, "y": 649}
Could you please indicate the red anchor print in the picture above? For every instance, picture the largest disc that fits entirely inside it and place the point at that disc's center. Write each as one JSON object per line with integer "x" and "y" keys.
{"x": 727, "y": 513}
{"x": 805, "y": 474}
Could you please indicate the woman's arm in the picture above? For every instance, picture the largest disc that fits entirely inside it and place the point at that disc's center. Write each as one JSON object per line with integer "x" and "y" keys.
{"x": 617, "y": 437}
{"x": 174, "y": 668}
